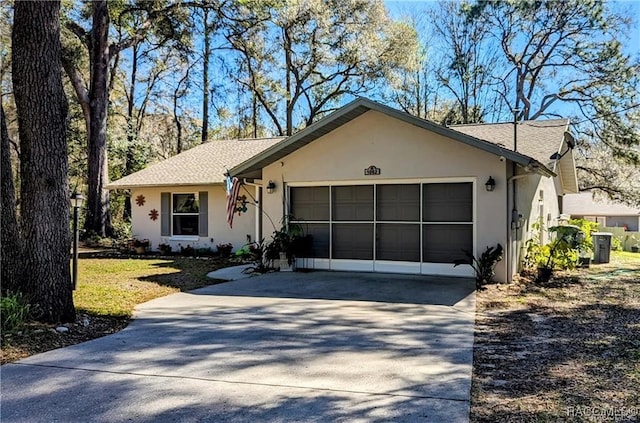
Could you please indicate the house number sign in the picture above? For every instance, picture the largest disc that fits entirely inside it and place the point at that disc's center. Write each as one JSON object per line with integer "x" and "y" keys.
{"x": 372, "y": 170}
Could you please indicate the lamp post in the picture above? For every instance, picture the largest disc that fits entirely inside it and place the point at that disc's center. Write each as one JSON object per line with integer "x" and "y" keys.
{"x": 76, "y": 203}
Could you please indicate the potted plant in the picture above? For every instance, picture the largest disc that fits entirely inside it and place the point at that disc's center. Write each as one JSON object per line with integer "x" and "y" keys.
{"x": 187, "y": 251}
{"x": 165, "y": 249}
{"x": 225, "y": 249}
{"x": 140, "y": 245}
{"x": 286, "y": 243}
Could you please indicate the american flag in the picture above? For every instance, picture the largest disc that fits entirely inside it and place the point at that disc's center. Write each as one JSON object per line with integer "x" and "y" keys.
{"x": 233, "y": 189}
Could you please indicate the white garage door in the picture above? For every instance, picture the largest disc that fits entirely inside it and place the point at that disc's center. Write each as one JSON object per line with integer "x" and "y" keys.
{"x": 410, "y": 228}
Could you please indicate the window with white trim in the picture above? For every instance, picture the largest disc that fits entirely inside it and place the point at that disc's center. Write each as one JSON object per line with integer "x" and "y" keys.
{"x": 185, "y": 212}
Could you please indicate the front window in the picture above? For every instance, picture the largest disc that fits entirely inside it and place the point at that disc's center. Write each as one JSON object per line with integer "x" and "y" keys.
{"x": 186, "y": 208}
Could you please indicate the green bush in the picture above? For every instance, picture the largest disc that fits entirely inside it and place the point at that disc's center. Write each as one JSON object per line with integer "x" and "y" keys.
{"x": 556, "y": 254}
{"x": 616, "y": 244}
{"x": 14, "y": 310}
{"x": 587, "y": 227}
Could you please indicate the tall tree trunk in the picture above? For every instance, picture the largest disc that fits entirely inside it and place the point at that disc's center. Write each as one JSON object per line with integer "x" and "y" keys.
{"x": 288, "y": 65}
{"x": 132, "y": 129}
{"x": 11, "y": 244}
{"x": 205, "y": 76}
{"x": 42, "y": 118}
{"x": 98, "y": 220}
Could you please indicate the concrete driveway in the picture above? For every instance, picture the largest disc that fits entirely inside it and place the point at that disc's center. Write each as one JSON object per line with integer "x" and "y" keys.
{"x": 281, "y": 347}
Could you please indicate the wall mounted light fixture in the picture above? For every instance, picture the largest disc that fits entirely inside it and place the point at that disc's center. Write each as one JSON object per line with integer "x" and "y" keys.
{"x": 490, "y": 185}
{"x": 271, "y": 187}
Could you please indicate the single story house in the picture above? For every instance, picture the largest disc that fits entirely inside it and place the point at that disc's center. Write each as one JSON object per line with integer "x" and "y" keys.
{"x": 606, "y": 213}
{"x": 180, "y": 201}
{"x": 376, "y": 188}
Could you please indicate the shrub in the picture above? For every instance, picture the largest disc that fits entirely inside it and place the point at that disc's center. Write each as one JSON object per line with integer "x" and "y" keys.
{"x": 484, "y": 266}
{"x": 587, "y": 227}
{"x": 616, "y": 244}
{"x": 225, "y": 249}
{"x": 14, "y": 310}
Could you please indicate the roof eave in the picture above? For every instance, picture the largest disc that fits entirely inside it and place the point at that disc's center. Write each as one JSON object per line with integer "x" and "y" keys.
{"x": 357, "y": 108}
{"x": 186, "y": 184}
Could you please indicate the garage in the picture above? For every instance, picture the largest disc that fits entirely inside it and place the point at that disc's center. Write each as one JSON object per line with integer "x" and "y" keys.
{"x": 410, "y": 227}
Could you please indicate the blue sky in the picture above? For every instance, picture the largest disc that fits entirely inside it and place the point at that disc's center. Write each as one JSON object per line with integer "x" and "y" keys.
{"x": 630, "y": 7}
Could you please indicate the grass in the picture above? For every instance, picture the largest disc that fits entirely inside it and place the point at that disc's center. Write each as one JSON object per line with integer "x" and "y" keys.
{"x": 113, "y": 287}
{"x": 108, "y": 291}
{"x": 551, "y": 352}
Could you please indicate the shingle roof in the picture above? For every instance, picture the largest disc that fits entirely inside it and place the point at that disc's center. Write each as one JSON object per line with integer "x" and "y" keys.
{"x": 201, "y": 165}
{"x": 536, "y": 138}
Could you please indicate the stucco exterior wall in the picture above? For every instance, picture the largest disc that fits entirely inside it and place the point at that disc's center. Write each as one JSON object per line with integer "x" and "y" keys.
{"x": 218, "y": 231}
{"x": 537, "y": 197}
{"x": 404, "y": 153}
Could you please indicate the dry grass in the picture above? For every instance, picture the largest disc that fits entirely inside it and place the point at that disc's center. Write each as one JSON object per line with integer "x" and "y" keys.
{"x": 562, "y": 351}
{"x": 107, "y": 293}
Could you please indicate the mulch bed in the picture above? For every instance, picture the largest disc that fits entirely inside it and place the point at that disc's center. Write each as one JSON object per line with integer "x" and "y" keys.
{"x": 35, "y": 338}
{"x": 568, "y": 350}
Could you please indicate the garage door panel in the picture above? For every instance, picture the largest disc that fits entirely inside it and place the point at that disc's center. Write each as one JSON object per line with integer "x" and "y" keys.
{"x": 400, "y": 203}
{"x": 352, "y": 241}
{"x": 320, "y": 239}
{"x": 354, "y": 203}
{"x": 444, "y": 243}
{"x": 398, "y": 242}
{"x": 447, "y": 202}
{"x": 310, "y": 203}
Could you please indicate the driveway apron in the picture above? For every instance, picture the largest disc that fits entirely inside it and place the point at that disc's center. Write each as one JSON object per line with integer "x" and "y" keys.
{"x": 281, "y": 347}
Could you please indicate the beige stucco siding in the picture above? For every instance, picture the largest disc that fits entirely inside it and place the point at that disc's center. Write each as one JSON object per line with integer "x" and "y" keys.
{"x": 218, "y": 230}
{"x": 537, "y": 198}
{"x": 404, "y": 153}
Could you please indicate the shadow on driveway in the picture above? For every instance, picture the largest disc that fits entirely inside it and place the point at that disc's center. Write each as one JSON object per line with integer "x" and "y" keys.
{"x": 266, "y": 349}
{"x": 350, "y": 286}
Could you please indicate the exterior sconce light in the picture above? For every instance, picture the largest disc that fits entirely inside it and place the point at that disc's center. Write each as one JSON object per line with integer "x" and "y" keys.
{"x": 490, "y": 185}
{"x": 271, "y": 187}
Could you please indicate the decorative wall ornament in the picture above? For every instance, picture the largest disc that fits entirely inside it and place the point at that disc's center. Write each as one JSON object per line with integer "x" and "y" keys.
{"x": 153, "y": 214}
{"x": 372, "y": 170}
{"x": 140, "y": 200}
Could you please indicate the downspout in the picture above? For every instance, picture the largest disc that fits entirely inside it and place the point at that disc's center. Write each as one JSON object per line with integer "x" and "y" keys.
{"x": 513, "y": 244}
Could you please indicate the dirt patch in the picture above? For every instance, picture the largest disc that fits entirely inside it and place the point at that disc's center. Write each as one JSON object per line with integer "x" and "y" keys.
{"x": 35, "y": 338}
{"x": 568, "y": 350}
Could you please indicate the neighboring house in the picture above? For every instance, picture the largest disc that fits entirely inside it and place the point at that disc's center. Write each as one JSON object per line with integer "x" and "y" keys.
{"x": 606, "y": 213}
{"x": 381, "y": 190}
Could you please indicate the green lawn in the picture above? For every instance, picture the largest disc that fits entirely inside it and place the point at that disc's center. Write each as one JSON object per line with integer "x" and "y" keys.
{"x": 114, "y": 286}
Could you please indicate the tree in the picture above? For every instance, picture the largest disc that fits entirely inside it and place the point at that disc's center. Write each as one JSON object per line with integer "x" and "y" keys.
{"x": 566, "y": 57}
{"x": 563, "y": 51}
{"x": 468, "y": 62}
{"x": 11, "y": 242}
{"x": 42, "y": 112}
{"x": 301, "y": 59}
{"x": 94, "y": 97}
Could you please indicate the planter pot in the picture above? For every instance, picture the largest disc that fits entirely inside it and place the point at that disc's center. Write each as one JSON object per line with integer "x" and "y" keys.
{"x": 140, "y": 250}
{"x": 284, "y": 265}
{"x": 544, "y": 274}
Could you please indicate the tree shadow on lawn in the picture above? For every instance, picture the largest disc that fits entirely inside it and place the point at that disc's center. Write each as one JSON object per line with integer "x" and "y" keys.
{"x": 549, "y": 360}
{"x": 190, "y": 272}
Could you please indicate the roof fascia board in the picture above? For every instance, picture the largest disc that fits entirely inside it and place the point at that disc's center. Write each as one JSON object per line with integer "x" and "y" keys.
{"x": 197, "y": 184}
